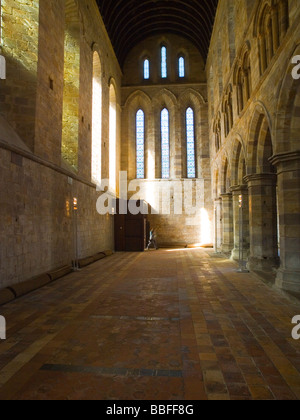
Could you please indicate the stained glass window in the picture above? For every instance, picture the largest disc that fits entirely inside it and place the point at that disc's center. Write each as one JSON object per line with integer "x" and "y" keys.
{"x": 190, "y": 136}
{"x": 165, "y": 144}
{"x": 140, "y": 144}
{"x": 164, "y": 72}
{"x": 146, "y": 69}
{"x": 181, "y": 67}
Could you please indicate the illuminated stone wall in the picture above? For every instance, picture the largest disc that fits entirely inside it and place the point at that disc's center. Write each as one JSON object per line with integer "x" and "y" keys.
{"x": 37, "y": 186}
{"x": 258, "y": 157}
{"x": 70, "y": 122}
{"x": 175, "y": 94}
{"x": 20, "y": 48}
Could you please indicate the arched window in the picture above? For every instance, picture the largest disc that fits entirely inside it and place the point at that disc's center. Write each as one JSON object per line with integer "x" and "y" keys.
{"x": 218, "y": 133}
{"x": 181, "y": 67}
{"x": 140, "y": 144}
{"x": 228, "y": 110}
{"x": 271, "y": 25}
{"x": 190, "y": 142}
{"x": 146, "y": 69}
{"x": 112, "y": 138}
{"x": 96, "y": 120}
{"x": 164, "y": 70}
{"x": 165, "y": 144}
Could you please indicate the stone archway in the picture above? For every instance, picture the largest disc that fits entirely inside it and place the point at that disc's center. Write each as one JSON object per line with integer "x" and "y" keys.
{"x": 227, "y": 208}
{"x": 262, "y": 181}
{"x": 240, "y": 190}
{"x": 287, "y": 162}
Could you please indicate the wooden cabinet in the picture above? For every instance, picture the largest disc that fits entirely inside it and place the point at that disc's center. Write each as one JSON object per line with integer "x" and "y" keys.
{"x": 130, "y": 231}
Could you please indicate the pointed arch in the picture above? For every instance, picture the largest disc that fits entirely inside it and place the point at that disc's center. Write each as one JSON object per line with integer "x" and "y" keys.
{"x": 242, "y": 77}
{"x": 167, "y": 96}
{"x": 225, "y": 174}
{"x": 138, "y": 100}
{"x": 260, "y": 143}
{"x": 287, "y": 123}
{"x": 137, "y": 97}
{"x": 238, "y": 162}
{"x": 191, "y": 95}
{"x": 270, "y": 26}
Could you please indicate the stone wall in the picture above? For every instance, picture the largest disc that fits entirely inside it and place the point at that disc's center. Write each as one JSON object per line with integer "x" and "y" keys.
{"x": 37, "y": 184}
{"x": 37, "y": 219}
{"x": 258, "y": 90}
{"x": 20, "y": 48}
{"x": 177, "y": 95}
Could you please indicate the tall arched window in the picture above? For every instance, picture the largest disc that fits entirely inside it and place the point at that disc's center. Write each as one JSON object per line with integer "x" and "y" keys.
{"x": 190, "y": 143}
{"x": 96, "y": 120}
{"x": 164, "y": 70}
{"x": 140, "y": 144}
{"x": 146, "y": 69}
{"x": 165, "y": 144}
{"x": 271, "y": 25}
{"x": 112, "y": 138}
{"x": 181, "y": 67}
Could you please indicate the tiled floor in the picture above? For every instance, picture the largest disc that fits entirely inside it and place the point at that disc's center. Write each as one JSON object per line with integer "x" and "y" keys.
{"x": 175, "y": 325}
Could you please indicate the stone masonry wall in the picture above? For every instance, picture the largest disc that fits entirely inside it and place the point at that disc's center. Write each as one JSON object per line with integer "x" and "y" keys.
{"x": 37, "y": 190}
{"x": 265, "y": 128}
{"x": 20, "y": 48}
{"x": 176, "y": 94}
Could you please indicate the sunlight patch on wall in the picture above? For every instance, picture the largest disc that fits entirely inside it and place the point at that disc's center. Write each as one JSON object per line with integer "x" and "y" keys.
{"x": 70, "y": 121}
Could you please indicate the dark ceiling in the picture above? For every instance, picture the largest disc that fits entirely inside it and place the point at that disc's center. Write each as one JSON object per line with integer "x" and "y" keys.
{"x": 129, "y": 22}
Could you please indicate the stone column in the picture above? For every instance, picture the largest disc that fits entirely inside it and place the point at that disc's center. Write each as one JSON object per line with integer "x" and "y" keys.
{"x": 218, "y": 225}
{"x": 288, "y": 172}
{"x": 227, "y": 223}
{"x": 237, "y": 191}
{"x": 263, "y": 222}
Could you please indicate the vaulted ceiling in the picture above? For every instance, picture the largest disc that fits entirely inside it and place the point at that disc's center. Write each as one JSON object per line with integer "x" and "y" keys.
{"x": 129, "y": 22}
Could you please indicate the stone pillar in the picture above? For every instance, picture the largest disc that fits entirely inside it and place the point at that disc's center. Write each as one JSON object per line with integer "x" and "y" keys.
{"x": 227, "y": 223}
{"x": 218, "y": 225}
{"x": 237, "y": 191}
{"x": 263, "y": 222}
{"x": 288, "y": 173}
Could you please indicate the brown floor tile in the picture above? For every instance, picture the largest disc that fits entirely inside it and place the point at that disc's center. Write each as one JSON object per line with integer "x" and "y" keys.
{"x": 163, "y": 325}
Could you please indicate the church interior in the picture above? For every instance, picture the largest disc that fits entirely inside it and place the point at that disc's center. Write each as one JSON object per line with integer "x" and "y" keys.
{"x": 188, "y": 114}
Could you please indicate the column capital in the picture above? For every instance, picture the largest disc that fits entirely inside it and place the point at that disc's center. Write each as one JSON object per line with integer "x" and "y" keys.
{"x": 282, "y": 158}
{"x": 268, "y": 178}
{"x": 226, "y": 196}
{"x": 239, "y": 189}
